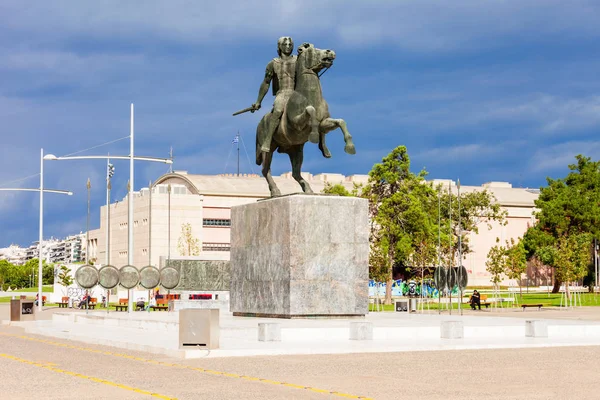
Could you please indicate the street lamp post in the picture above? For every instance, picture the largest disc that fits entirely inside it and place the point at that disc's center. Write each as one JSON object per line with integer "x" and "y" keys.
{"x": 131, "y": 159}
{"x": 41, "y": 190}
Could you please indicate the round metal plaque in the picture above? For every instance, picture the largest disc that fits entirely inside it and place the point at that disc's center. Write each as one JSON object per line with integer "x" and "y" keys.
{"x": 129, "y": 276}
{"x": 462, "y": 278}
{"x": 108, "y": 277}
{"x": 439, "y": 278}
{"x": 149, "y": 277}
{"x": 86, "y": 276}
{"x": 169, "y": 277}
{"x": 451, "y": 278}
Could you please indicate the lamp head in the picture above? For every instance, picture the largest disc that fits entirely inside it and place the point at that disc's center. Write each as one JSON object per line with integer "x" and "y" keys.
{"x": 168, "y": 161}
{"x": 50, "y": 157}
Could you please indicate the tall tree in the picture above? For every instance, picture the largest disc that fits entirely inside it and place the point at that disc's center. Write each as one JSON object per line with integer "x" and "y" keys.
{"x": 188, "y": 245}
{"x": 567, "y": 207}
{"x": 398, "y": 206}
{"x": 496, "y": 263}
{"x": 516, "y": 261}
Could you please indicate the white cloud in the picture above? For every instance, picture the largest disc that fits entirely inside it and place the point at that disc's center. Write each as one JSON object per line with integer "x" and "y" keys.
{"x": 551, "y": 158}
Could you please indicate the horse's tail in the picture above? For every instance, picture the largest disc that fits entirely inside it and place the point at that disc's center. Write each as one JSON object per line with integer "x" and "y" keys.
{"x": 259, "y": 133}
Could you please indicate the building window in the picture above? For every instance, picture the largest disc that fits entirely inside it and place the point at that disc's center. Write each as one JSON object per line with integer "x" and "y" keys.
{"x": 145, "y": 221}
{"x": 216, "y": 246}
{"x": 216, "y": 222}
{"x": 135, "y": 224}
{"x": 123, "y": 254}
{"x": 145, "y": 252}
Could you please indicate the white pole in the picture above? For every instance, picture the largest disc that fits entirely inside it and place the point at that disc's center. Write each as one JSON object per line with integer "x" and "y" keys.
{"x": 107, "y": 259}
{"x": 40, "y": 298}
{"x": 130, "y": 221}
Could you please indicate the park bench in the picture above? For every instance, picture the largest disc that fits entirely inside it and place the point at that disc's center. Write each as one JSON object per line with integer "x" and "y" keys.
{"x": 161, "y": 305}
{"x": 123, "y": 305}
{"x": 539, "y": 306}
{"x": 92, "y": 303}
{"x": 483, "y": 300}
{"x": 202, "y": 296}
{"x": 64, "y": 302}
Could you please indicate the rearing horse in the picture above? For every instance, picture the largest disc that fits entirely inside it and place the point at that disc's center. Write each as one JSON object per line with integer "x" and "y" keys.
{"x": 306, "y": 111}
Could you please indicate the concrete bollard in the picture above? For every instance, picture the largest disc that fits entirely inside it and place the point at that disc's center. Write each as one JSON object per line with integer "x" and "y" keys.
{"x": 361, "y": 331}
{"x": 536, "y": 329}
{"x": 269, "y": 332}
{"x": 452, "y": 330}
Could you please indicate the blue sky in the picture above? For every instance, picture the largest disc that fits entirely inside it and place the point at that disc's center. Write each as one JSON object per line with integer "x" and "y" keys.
{"x": 477, "y": 90}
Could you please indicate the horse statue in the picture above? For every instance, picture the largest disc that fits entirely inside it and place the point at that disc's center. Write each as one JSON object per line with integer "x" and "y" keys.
{"x": 305, "y": 113}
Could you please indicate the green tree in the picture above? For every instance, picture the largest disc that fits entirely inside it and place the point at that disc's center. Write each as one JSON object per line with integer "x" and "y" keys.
{"x": 398, "y": 206}
{"x": 65, "y": 278}
{"x": 572, "y": 258}
{"x": 341, "y": 190}
{"x": 567, "y": 207}
{"x": 188, "y": 245}
{"x": 516, "y": 261}
{"x": 496, "y": 263}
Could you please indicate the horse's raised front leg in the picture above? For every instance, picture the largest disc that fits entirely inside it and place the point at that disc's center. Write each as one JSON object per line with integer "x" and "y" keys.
{"x": 309, "y": 115}
{"x": 296, "y": 158}
{"x": 329, "y": 124}
{"x": 266, "y": 171}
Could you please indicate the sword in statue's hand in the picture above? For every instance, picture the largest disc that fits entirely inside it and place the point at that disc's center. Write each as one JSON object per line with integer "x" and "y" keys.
{"x": 252, "y": 108}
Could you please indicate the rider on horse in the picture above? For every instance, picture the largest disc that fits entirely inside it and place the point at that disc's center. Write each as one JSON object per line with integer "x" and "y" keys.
{"x": 282, "y": 71}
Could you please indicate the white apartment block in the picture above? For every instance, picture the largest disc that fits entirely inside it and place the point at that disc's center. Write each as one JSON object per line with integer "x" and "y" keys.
{"x": 205, "y": 201}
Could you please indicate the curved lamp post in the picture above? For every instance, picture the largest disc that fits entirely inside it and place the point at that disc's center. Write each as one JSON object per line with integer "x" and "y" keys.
{"x": 41, "y": 190}
{"x": 131, "y": 158}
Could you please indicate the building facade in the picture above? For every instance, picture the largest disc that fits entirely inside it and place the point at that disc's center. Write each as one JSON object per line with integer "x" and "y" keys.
{"x": 204, "y": 202}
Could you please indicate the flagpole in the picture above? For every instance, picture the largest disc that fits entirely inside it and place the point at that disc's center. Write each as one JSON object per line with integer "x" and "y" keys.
{"x": 238, "y": 152}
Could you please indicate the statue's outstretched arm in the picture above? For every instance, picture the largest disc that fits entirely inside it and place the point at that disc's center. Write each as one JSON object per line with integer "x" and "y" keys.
{"x": 264, "y": 86}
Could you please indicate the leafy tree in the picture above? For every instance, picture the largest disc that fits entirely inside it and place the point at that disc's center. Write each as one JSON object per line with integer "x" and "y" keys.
{"x": 572, "y": 258}
{"x": 341, "y": 190}
{"x": 398, "y": 206}
{"x": 65, "y": 278}
{"x": 516, "y": 261}
{"x": 568, "y": 207}
{"x": 5, "y": 267}
{"x": 496, "y": 263}
{"x": 188, "y": 245}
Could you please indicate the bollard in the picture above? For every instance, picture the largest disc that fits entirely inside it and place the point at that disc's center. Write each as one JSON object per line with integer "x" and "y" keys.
{"x": 269, "y": 332}
{"x": 361, "y": 331}
{"x": 536, "y": 329}
{"x": 452, "y": 330}
{"x": 199, "y": 328}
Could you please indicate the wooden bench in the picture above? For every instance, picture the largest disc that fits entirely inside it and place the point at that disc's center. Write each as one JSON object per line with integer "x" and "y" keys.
{"x": 123, "y": 305}
{"x": 483, "y": 301}
{"x": 539, "y": 306}
{"x": 161, "y": 305}
{"x": 64, "y": 302}
{"x": 92, "y": 303}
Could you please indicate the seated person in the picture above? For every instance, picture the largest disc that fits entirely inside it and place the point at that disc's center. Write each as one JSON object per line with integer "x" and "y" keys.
{"x": 84, "y": 300}
{"x": 140, "y": 304}
{"x": 475, "y": 300}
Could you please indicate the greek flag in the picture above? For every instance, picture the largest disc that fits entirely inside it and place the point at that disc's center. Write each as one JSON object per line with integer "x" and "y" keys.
{"x": 235, "y": 139}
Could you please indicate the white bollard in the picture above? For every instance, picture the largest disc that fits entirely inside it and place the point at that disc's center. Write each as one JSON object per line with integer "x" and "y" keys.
{"x": 536, "y": 329}
{"x": 452, "y": 330}
{"x": 361, "y": 331}
{"x": 269, "y": 332}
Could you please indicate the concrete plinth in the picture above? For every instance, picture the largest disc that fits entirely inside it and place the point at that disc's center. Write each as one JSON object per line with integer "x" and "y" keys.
{"x": 452, "y": 330}
{"x": 535, "y": 328}
{"x": 269, "y": 332}
{"x": 300, "y": 256}
{"x": 361, "y": 331}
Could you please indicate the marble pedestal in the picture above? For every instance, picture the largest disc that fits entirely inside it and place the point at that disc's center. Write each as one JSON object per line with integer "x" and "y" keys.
{"x": 300, "y": 256}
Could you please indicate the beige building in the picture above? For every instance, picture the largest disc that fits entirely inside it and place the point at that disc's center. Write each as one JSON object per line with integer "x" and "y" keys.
{"x": 204, "y": 202}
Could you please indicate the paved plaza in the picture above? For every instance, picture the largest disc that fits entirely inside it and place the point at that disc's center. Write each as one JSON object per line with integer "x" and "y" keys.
{"x": 33, "y": 365}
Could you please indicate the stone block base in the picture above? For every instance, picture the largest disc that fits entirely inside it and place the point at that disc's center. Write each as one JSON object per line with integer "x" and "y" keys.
{"x": 269, "y": 332}
{"x": 452, "y": 330}
{"x": 536, "y": 329}
{"x": 300, "y": 256}
{"x": 361, "y": 331}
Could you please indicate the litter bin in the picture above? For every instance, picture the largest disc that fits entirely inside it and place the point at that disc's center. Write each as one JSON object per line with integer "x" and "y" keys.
{"x": 401, "y": 305}
{"x": 22, "y": 310}
{"x": 199, "y": 328}
{"x": 413, "y": 304}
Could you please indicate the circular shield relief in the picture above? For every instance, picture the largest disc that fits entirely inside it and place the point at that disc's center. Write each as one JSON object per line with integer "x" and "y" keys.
{"x": 108, "y": 277}
{"x": 169, "y": 277}
{"x": 86, "y": 276}
{"x": 149, "y": 277}
{"x": 129, "y": 276}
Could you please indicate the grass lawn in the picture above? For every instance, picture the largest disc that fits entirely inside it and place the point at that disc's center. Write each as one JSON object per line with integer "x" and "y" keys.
{"x": 45, "y": 289}
{"x": 548, "y": 300}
